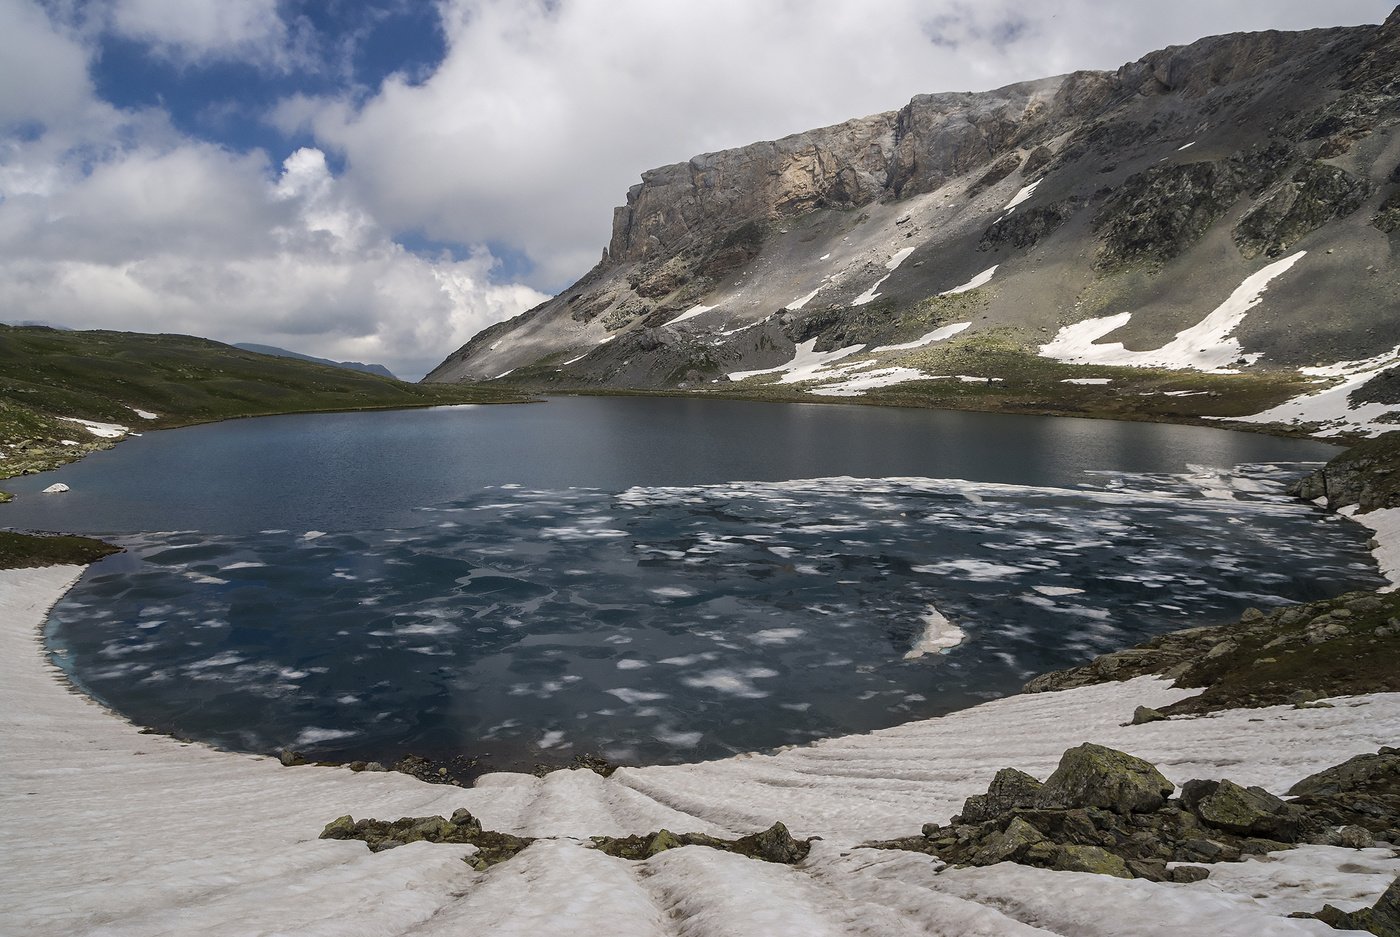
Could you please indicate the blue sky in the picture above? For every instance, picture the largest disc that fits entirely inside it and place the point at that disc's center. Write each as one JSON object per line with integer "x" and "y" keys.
{"x": 380, "y": 179}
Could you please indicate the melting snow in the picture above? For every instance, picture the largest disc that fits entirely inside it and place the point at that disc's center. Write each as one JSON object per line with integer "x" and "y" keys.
{"x": 55, "y": 489}
{"x": 691, "y": 313}
{"x": 881, "y": 377}
{"x": 899, "y": 257}
{"x": 1330, "y": 406}
{"x": 982, "y": 279}
{"x": 101, "y": 430}
{"x": 799, "y": 303}
{"x": 804, "y": 364}
{"x": 252, "y": 862}
{"x": 144, "y": 414}
{"x": 937, "y": 335}
{"x": 1087, "y": 380}
{"x": 1021, "y": 196}
{"x": 1205, "y": 346}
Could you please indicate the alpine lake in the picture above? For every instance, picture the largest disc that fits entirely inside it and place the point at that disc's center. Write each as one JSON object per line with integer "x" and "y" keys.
{"x": 651, "y": 580}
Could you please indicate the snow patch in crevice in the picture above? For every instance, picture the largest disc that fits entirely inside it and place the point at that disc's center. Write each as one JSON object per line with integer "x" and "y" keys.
{"x": 870, "y": 294}
{"x": 1207, "y": 346}
{"x": 1021, "y": 196}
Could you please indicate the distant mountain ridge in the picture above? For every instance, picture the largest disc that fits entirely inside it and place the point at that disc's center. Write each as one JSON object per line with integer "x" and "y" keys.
{"x": 284, "y": 353}
{"x": 963, "y": 233}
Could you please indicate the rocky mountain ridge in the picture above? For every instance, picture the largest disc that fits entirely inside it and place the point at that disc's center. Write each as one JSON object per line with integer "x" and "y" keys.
{"x": 1132, "y": 205}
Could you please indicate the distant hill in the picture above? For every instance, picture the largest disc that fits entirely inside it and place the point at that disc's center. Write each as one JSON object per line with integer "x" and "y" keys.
{"x": 284, "y": 353}
{"x": 64, "y": 394}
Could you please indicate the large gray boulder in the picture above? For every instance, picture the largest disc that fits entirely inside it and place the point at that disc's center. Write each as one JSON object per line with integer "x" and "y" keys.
{"x": 1095, "y": 776}
{"x": 1009, "y": 790}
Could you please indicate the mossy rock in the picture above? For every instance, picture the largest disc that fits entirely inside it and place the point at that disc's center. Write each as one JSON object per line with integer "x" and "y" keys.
{"x": 1096, "y": 776}
{"x": 1091, "y": 859}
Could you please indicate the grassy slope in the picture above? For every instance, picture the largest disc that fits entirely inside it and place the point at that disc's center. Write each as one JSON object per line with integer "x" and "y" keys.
{"x": 46, "y": 374}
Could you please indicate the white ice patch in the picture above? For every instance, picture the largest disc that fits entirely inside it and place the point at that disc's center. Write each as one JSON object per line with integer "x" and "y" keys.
{"x": 797, "y": 304}
{"x": 1206, "y": 346}
{"x": 100, "y": 430}
{"x": 1186, "y": 146}
{"x": 804, "y": 364}
{"x": 572, "y": 360}
{"x": 736, "y": 682}
{"x": 674, "y": 592}
{"x": 503, "y": 374}
{"x": 633, "y": 697}
{"x": 1054, "y": 591}
{"x": 975, "y": 570}
{"x": 314, "y": 735}
{"x": 144, "y": 414}
{"x": 772, "y": 636}
{"x": 1021, "y": 196}
{"x": 1087, "y": 380}
{"x": 937, "y": 335}
{"x": 57, "y": 488}
{"x": 313, "y": 534}
{"x": 940, "y": 636}
{"x": 982, "y": 279}
{"x": 690, "y": 313}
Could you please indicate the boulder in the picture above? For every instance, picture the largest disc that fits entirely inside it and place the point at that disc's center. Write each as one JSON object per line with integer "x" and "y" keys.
{"x": 1014, "y": 843}
{"x": 1091, "y": 859}
{"x": 1145, "y": 714}
{"x": 1244, "y": 811}
{"x": 774, "y": 844}
{"x": 1009, "y": 790}
{"x": 1096, "y": 776}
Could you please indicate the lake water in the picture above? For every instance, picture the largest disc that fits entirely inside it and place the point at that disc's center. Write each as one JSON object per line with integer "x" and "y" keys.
{"x": 652, "y": 580}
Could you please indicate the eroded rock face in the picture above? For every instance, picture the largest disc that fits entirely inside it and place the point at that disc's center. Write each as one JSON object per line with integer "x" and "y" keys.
{"x": 1095, "y": 776}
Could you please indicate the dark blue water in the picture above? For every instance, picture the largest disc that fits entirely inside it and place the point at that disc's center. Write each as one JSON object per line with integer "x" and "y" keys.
{"x": 650, "y": 580}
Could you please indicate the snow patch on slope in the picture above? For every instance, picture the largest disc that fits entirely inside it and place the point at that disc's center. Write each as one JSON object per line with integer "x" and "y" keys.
{"x": 937, "y": 335}
{"x": 1330, "y": 406}
{"x": 804, "y": 364}
{"x": 1206, "y": 346}
{"x": 982, "y": 279}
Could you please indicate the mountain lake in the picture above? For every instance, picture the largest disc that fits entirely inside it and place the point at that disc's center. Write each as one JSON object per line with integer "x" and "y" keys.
{"x": 651, "y": 580}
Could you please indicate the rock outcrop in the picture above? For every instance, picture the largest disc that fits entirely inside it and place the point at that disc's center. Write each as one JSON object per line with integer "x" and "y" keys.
{"x": 1109, "y": 812}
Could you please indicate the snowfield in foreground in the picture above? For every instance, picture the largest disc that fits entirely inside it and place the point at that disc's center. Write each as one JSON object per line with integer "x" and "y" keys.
{"x": 109, "y": 831}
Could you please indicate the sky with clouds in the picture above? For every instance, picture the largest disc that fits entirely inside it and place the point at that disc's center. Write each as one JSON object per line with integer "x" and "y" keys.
{"x": 377, "y": 180}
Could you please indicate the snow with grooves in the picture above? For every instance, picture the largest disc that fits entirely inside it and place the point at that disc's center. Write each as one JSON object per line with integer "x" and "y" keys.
{"x": 113, "y": 832}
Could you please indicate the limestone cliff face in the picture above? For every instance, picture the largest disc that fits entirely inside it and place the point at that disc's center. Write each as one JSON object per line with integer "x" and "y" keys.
{"x": 1156, "y": 188}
